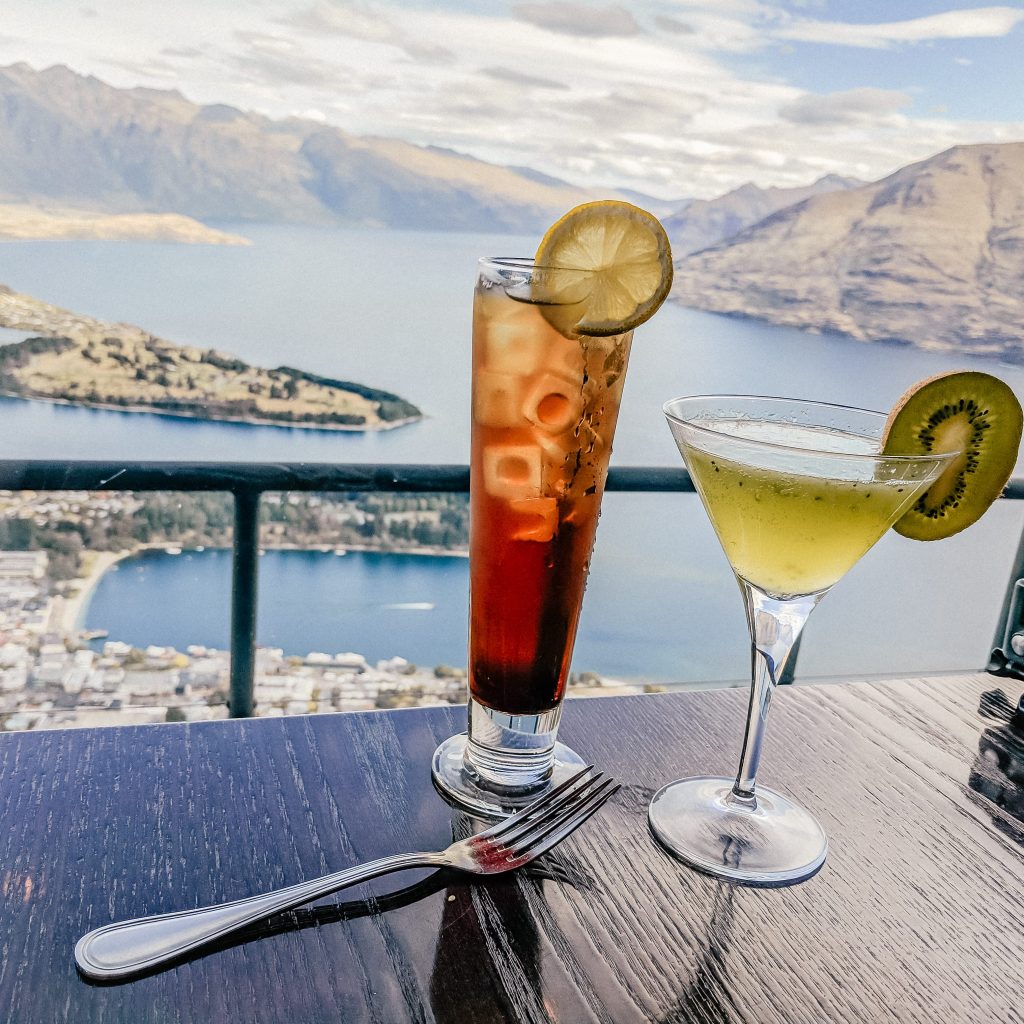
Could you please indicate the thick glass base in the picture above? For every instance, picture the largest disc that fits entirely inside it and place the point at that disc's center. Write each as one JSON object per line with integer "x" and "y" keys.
{"x": 770, "y": 841}
{"x": 461, "y": 784}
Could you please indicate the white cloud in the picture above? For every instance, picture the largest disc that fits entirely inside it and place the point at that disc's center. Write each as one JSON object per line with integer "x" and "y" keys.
{"x": 722, "y": 27}
{"x": 853, "y": 106}
{"x": 153, "y": 68}
{"x": 576, "y": 19}
{"x": 688, "y": 104}
{"x": 979, "y": 23}
{"x": 674, "y": 26}
{"x": 360, "y": 21}
{"x": 524, "y": 80}
{"x": 749, "y": 10}
{"x": 270, "y": 59}
{"x": 343, "y": 18}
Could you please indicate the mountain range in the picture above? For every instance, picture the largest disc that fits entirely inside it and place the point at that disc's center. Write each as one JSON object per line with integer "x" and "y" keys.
{"x": 72, "y": 139}
{"x": 703, "y": 222}
{"x": 932, "y": 255}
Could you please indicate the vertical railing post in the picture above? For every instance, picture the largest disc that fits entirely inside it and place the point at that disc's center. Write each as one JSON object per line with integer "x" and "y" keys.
{"x": 789, "y": 669}
{"x": 1003, "y": 624}
{"x": 244, "y": 581}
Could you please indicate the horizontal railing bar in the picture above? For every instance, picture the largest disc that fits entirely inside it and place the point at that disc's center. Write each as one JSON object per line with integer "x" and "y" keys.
{"x": 40, "y": 475}
{"x": 1014, "y": 489}
{"x": 86, "y": 475}
{"x": 648, "y": 478}
{"x": 260, "y": 477}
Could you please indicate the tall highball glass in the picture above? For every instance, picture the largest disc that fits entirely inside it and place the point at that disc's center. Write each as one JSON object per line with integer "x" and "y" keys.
{"x": 797, "y": 492}
{"x": 544, "y": 412}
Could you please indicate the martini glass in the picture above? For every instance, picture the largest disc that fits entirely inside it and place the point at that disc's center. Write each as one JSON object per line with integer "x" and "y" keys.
{"x": 797, "y": 492}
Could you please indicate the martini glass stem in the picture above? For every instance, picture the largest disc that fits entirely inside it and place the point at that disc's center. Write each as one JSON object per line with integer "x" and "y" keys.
{"x": 775, "y": 624}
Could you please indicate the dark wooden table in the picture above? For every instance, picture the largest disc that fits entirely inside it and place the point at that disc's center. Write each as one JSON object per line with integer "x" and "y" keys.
{"x": 918, "y": 914}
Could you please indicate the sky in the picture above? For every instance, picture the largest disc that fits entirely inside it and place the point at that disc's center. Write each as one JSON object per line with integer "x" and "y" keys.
{"x": 676, "y": 98}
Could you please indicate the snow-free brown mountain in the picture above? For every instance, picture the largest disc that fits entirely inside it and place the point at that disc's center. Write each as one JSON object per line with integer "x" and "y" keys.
{"x": 70, "y": 139}
{"x": 705, "y": 222}
{"x": 932, "y": 255}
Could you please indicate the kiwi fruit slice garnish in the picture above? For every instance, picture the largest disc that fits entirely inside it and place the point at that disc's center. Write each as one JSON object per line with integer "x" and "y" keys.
{"x": 966, "y": 411}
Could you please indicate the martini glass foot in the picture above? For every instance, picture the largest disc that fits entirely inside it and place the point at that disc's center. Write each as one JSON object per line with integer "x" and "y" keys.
{"x": 462, "y": 786}
{"x": 767, "y": 841}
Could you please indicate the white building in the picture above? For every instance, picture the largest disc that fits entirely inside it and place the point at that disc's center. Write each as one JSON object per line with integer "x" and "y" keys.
{"x": 150, "y": 684}
{"x": 275, "y": 689}
{"x": 74, "y": 679}
{"x": 23, "y": 565}
{"x": 14, "y": 678}
{"x": 355, "y": 662}
{"x": 14, "y": 654}
{"x": 84, "y": 658}
{"x": 268, "y": 658}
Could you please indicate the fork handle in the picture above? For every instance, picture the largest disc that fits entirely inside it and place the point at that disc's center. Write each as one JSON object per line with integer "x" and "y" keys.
{"x": 131, "y": 947}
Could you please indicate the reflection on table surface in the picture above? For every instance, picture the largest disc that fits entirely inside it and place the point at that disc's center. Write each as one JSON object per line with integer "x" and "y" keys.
{"x": 998, "y": 770}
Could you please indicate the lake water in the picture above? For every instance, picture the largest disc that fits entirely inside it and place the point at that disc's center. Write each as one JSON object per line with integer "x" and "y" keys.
{"x": 392, "y": 309}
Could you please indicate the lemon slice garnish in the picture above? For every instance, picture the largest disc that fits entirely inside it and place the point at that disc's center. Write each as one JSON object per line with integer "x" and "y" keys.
{"x": 604, "y": 268}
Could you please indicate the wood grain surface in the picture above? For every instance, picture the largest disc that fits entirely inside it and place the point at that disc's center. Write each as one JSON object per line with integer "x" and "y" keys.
{"x": 918, "y": 914}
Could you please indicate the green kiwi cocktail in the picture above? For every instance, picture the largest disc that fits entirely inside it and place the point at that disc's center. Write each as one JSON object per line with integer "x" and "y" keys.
{"x": 797, "y": 492}
{"x": 786, "y": 531}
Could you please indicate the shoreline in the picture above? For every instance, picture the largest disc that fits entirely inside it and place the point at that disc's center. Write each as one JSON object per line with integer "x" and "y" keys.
{"x": 252, "y": 422}
{"x": 69, "y": 619}
{"x": 31, "y": 222}
{"x": 314, "y": 549}
{"x": 825, "y": 329}
{"x": 366, "y": 549}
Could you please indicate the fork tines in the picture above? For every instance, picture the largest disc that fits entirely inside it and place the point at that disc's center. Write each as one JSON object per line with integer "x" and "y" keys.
{"x": 548, "y": 820}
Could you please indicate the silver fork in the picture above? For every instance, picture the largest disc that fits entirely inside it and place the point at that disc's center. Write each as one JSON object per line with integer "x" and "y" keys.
{"x": 133, "y": 947}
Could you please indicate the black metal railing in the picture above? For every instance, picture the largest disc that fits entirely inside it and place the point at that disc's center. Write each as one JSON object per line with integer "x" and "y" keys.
{"x": 247, "y": 482}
